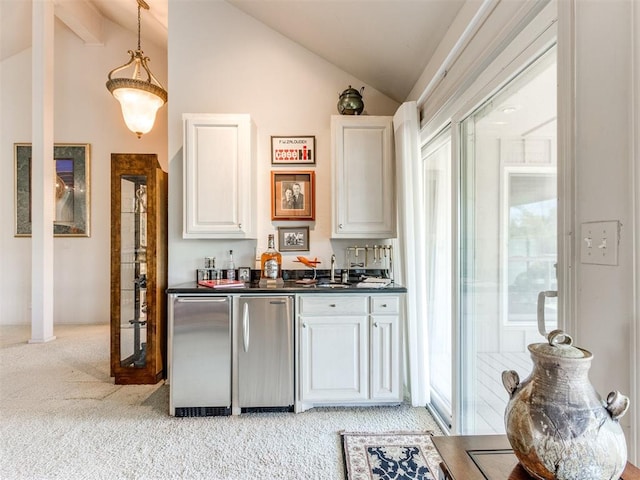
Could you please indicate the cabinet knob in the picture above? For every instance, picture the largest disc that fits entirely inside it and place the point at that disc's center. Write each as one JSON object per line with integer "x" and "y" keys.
{"x": 332, "y": 305}
{"x": 340, "y": 226}
{"x": 239, "y": 226}
{"x": 375, "y": 324}
{"x": 304, "y": 325}
{"x": 384, "y": 305}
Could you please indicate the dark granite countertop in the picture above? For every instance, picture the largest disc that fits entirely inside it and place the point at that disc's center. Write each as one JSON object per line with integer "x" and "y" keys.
{"x": 289, "y": 287}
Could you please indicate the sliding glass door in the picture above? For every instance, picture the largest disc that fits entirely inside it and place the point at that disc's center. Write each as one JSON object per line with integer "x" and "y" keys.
{"x": 490, "y": 221}
{"x": 437, "y": 175}
{"x": 507, "y": 239}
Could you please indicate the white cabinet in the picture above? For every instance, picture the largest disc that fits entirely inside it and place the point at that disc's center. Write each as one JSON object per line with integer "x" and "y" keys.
{"x": 386, "y": 345}
{"x": 219, "y": 176}
{"x": 334, "y": 358}
{"x": 333, "y": 348}
{"x": 349, "y": 349}
{"x": 364, "y": 193}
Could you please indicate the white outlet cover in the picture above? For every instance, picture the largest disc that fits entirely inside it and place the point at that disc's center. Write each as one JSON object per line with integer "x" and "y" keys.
{"x": 599, "y": 242}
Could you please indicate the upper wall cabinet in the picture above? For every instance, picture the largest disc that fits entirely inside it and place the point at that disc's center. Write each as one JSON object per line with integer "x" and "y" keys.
{"x": 364, "y": 194}
{"x": 219, "y": 176}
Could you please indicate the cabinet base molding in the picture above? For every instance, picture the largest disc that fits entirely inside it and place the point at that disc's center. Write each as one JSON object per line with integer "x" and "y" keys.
{"x": 304, "y": 406}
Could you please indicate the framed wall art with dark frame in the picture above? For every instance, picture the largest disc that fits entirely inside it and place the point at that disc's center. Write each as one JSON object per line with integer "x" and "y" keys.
{"x": 293, "y": 239}
{"x": 293, "y": 150}
{"x": 293, "y": 195}
{"x": 71, "y": 186}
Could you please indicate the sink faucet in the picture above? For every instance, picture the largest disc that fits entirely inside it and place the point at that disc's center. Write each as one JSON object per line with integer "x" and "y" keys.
{"x": 333, "y": 268}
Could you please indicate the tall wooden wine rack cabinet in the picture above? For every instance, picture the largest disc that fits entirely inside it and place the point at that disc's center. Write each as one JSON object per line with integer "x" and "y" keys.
{"x": 138, "y": 268}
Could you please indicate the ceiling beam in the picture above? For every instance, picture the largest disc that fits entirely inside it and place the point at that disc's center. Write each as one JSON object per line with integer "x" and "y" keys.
{"x": 82, "y": 18}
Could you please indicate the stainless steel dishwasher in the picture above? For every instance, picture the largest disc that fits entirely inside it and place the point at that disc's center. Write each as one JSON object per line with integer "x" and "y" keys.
{"x": 199, "y": 336}
{"x": 265, "y": 353}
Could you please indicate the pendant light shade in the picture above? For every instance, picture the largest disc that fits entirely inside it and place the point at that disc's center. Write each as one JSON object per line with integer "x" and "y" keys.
{"x": 139, "y": 99}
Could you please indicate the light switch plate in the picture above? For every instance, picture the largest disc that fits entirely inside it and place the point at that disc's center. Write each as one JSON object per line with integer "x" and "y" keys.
{"x": 599, "y": 242}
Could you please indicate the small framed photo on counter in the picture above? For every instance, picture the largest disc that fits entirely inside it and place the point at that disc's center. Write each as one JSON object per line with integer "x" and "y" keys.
{"x": 244, "y": 274}
{"x": 293, "y": 239}
{"x": 293, "y": 195}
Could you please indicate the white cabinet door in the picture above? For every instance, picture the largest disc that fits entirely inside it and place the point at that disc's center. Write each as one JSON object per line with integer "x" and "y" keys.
{"x": 218, "y": 176}
{"x": 385, "y": 357}
{"x": 386, "y": 348}
{"x": 364, "y": 194}
{"x": 334, "y": 359}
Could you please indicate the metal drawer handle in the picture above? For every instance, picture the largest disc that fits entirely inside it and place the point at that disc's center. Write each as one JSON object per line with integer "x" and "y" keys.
{"x": 245, "y": 327}
{"x": 332, "y": 305}
{"x": 384, "y": 305}
{"x": 200, "y": 300}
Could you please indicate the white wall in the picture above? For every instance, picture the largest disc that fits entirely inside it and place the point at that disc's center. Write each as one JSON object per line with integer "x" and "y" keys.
{"x": 223, "y": 61}
{"x": 604, "y": 187}
{"x": 85, "y": 112}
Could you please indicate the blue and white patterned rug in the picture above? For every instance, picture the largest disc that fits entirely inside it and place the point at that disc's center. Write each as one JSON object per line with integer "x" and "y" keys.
{"x": 390, "y": 456}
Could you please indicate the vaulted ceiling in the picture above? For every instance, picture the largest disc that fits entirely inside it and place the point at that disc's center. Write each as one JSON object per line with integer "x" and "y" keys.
{"x": 384, "y": 43}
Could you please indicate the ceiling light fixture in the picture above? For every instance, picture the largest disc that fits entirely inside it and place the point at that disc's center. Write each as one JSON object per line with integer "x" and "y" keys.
{"x": 139, "y": 99}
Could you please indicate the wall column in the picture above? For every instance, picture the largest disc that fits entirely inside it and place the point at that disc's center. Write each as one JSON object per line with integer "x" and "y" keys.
{"x": 42, "y": 172}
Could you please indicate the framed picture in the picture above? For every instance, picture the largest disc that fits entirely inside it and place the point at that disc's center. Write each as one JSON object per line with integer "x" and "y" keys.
{"x": 293, "y": 150}
{"x": 293, "y": 195}
{"x": 244, "y": 274}
{"x": 71, "y": 186}
{"x": 293, "y": 239}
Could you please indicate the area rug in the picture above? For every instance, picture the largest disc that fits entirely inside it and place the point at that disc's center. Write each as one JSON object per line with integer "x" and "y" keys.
{"x": 390, "y": 456}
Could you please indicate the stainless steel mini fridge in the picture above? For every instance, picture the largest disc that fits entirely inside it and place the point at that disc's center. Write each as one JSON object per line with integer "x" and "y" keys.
{"x": 200, "y": 355}
{"x": 265, "y": 353}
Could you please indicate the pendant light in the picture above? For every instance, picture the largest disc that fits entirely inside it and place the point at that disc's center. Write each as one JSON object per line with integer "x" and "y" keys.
{"x": 139, "y": 99}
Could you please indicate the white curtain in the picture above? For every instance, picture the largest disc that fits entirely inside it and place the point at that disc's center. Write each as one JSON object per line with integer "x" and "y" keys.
{"x": 410, "y": 246}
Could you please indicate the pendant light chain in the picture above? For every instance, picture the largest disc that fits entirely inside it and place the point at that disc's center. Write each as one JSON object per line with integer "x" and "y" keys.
{"x": 138, "y": 25}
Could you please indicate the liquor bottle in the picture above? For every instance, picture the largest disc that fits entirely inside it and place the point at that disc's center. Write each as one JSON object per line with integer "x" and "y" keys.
{"x": 271, "y": 262}
{"x": 231, "y": 270}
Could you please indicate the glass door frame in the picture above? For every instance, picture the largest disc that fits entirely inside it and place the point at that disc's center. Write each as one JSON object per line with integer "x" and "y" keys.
{"x": 440, "y": 406}
{"x": 535, "y": 38}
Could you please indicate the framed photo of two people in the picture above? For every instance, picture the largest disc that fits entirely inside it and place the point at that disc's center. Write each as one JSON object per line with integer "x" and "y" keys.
{"x": 293, "y": 195}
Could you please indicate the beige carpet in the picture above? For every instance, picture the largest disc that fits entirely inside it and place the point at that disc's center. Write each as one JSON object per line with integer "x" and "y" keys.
{"x": 61, "y": 417}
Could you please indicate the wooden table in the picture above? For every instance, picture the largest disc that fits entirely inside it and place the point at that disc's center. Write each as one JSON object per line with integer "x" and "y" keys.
{"x": 488, "y": 457}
